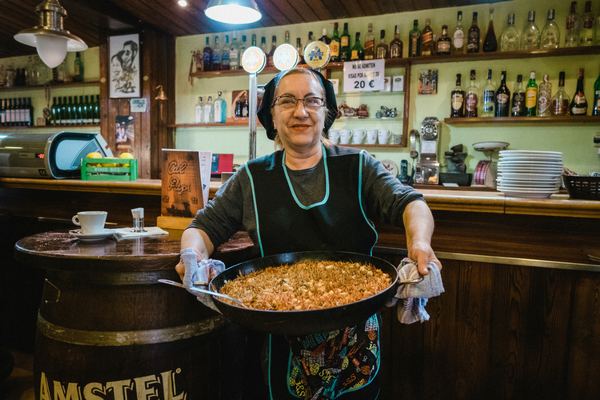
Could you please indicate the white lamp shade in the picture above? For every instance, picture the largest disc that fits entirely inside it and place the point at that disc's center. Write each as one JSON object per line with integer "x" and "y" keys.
{"x": 52, "y": 49}
{"x": 232, "y": 13}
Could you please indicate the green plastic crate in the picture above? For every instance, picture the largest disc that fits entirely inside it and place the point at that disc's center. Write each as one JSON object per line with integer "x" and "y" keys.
{"x": 90, "y": 171}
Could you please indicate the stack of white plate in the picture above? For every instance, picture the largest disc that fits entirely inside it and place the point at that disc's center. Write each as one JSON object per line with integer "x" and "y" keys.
{"x": 530, "y": 174}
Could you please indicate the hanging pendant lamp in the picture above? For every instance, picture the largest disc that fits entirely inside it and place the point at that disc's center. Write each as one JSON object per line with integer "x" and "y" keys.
{"x": 233, "y": 11}
{"x": 50, "y": 39}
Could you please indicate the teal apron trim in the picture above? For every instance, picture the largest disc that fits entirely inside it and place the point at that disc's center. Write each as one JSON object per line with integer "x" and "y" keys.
{"x": 262, "y": 253}
{"x": 360, "y": 169}
{"x": 325, "y": 198}
{"x": 289, "y": 363}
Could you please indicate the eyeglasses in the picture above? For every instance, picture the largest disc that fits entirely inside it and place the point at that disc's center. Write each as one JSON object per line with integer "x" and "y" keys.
{"x": 287, "y": 102}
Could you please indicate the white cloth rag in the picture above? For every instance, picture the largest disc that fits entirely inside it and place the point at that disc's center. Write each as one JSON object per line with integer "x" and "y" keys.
{"x": 202, "y": 271}
{"x": 415, "y": 295}
{"x": 126, "y": 233}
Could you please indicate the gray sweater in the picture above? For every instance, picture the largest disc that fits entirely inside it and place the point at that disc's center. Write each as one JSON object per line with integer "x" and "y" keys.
{"x": 232, "y": 209}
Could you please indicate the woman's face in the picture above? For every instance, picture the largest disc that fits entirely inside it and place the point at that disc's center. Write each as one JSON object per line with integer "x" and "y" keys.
{"x": 299, "y": 127}
{"x": 116, "y": 68}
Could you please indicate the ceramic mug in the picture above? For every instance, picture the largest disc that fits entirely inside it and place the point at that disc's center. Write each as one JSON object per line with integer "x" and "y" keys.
{"x": 383, "y": 135}
{"x": 345, "y": 135}
{"x": 357, "y": 136}
{"x": 90, "y": 221}
{"x": 371, "y": 136}
{"x": 334, "y": 135}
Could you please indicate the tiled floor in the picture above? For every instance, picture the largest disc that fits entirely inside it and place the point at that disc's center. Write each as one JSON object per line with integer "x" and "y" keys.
{"x": 19, "y": 385}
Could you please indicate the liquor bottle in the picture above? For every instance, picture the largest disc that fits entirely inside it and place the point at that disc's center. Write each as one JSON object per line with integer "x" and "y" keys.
{"x": 550, "y": 33}
{"x": 596, "y": 109}
{"x": 287, "y": 37}
{"x": 300, "y": 51}
{"x": 225, "y": 54}
{"x": 78, "y": 116}
{"x": 207, "y": 56}
{"x": 490, "y": 44}
{"x": 414, "y": 40}
{"x": 209, "y": 116}
{"x": 3, "y": 112}
{"x": 472, "y": 100}
{"x": 357, "y": 50}
{"x": 56, "y": 112}
{"x": 238, "y": 109}
{"x": 220, "y": 109}
{"x": 427, "y": 42}
{"x": 489, "y": 97}
{"x": 345, "y": 44}
{"x": 396, "y": 45}
{"x": 216, "y": 56}
{"x": 245, "y": 108}
{"x": 545, "y": 97}
{"x": 272, "y": 51}
{"x": 530, "y": 38}
{"x": 510, "y": 39}
{"x": 78, "y": 74}
{"x": 243, "y": 47}
{"x": 253, "y": 43}
{"x": 70, "y": 112}
{"x": 444, "y": 44}
{"x": 518, "y": 99}
{"x": 586, "y": 32}
{"x": 234, "y": 53}
{"x": 382, "y": 48}
{"x": 579, "y": 102}
{"x": 325, "y": 39}
{"x": 97, "y": 110}
{"x": 263, "y": 45}
{"x": 29, "y": 112}
{"x": 560, "y": 101}
{"x": 473, "y": 38}
{"x": 334, "y": 45}
{"x": 572, "y": 36}
{"x": 457, "y": 103}
{"x": 87, "y": 117}
{"x": 309, "y": 40}
{"x": 17, "y": 112}
{"x": 199, "y": 110}
{"x": 369, "y": 49}
{"x": 502, "y": 98}
{"x": 458, "y": 38}
{"x": 8, "y": 120}
{"x": 531, "y": 96}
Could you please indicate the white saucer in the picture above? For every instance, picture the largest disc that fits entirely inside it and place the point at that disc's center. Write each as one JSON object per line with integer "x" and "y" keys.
{"x": 483, "y": 146}
{"x": 390, "y": 166}
{"x": 92, "y": 237}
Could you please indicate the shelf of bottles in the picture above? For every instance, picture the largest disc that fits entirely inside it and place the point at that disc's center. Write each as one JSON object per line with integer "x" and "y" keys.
{"x": 52, "y": 85}
{"x": 565, "y": 119}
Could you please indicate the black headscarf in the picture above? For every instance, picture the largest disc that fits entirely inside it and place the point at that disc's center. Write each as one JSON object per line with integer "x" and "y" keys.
{"x": 264, "y": 111}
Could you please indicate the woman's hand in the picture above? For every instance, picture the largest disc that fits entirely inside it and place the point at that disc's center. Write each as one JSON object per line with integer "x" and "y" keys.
{"x": 418, "y": 224}
{"x": 197, "y": 240}
{"x": 423, "y": 254}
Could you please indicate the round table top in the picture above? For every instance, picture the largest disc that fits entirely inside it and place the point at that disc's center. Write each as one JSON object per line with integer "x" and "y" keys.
{"x": 60, "y": 250}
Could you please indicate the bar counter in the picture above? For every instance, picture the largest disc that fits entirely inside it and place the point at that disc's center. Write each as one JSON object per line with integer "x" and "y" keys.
{"x": 518, "y": 319}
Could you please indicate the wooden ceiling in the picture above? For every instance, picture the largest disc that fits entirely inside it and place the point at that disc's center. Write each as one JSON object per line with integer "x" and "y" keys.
{"x": 93, "y": 20}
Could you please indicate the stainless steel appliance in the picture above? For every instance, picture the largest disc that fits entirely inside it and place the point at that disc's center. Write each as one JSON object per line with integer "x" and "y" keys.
{"x": 428, "y": 167}
{"x": 48, "y": 155}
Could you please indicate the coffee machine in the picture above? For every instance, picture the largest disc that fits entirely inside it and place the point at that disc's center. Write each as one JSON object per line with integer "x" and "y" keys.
{"x": 427, "y": 170}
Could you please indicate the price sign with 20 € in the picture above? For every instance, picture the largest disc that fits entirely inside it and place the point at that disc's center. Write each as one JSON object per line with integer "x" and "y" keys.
{"x": 363, "y": 76}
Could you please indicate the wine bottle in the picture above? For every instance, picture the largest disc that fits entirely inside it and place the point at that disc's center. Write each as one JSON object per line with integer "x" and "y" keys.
{"x": 382, "y": 48}
{"x": 579, "y": 102}
{"x": 357, "y": 50}
{"x": 444, "y": 44}
{"x": 369, "y": 48}
{"x": 490, "y": 44}
{"x": 518, "y": 99}
{"x": 474, "y": 36}
{"x": 489, "y": 97}
{"x": 207, "y": 56}
{"x": 544, "y": 97}
{"x": 234, "y": 53}
{"x": 572, "y": 36}
{"x": 271, "y": 53}
{"x": 414, "y": 37}
{"x": 300, "y": 51}
{"x": 531, "y": 96}
{"x": 502, "y": 98}
{"x": 323, "y": 38}
{"x": 457, "y": 103}
{"x": 396, "y": 46}
{"x": 345, "y": 44}
{"x": 334, "y": 45}
{"x": 458, "y": 38}
{"x": 427, "y": 43}
{"x": 586, "y": 32}
{"x": 225, "y": 54}
{"x": 78, "y": 70}
{"x": 471, "y": 104}
{"x": 560, "y": 101}
{"x": 216, "y": 56}
{"x": 97, "y": 110}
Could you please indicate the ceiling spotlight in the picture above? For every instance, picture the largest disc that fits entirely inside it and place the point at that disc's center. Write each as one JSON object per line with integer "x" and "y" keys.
{"x": 49, "y": 37}
{"x": 182, "y": 3}
{"x": 233, "y": 11}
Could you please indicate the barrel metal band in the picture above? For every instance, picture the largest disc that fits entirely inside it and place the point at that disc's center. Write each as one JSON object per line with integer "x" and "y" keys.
{"x": 127, "y": 338}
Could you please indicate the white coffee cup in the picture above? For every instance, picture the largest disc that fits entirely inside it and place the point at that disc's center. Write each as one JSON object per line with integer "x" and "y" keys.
{"x": 90, "y": 221}
{"x": 371, "y": 136}
{"x": 334, "y": 135}
{"x": 345, "y": 135}
{"x": 383, "y": 135}
{"x": 357, "y": 136}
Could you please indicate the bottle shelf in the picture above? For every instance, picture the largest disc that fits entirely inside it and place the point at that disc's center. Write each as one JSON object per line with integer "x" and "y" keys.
{"x": 366, "y": 146}
{"x": 370, "y": 119}
{"x": 52, "y": 85}
{"x": 8, "y": 128}
{"x": 566, "y": 120}
{"x": 235, "y": 122}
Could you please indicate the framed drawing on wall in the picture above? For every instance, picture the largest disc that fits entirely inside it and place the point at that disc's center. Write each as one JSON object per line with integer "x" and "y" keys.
{"x": 124, "y": 65}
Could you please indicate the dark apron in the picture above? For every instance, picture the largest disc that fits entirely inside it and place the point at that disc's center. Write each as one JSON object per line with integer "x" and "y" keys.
{"x": 326, "y": 365}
